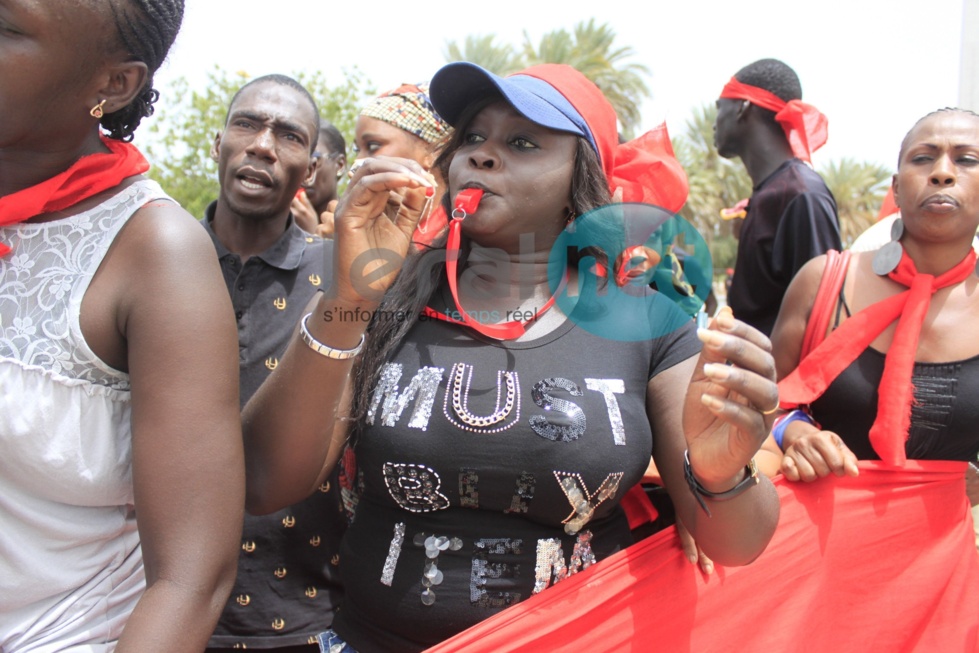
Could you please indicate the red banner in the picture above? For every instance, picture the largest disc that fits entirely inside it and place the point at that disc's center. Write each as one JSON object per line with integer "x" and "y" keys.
{"x": 883, "y": 562}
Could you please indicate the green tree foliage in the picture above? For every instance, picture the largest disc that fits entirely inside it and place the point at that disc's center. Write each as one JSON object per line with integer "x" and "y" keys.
{"x": 184, "y": 129}
{"x": 859, "y": 188}
{"x": 481, "y": 50}
{"x": 588, "y": 47}
{"x": 591, "y": 49}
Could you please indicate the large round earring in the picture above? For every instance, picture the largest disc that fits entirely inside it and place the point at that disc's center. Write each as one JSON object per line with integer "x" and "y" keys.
{"x": 340, "y": 173}
{"x": 889, "y": 256}
{"x": 97, "y": 111}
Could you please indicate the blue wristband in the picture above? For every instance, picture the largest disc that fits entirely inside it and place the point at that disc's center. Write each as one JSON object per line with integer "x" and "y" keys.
{"x": 778, "y": 431}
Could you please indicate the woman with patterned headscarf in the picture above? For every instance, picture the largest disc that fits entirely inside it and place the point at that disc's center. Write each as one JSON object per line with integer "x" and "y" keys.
{"x": 403, "y": 123}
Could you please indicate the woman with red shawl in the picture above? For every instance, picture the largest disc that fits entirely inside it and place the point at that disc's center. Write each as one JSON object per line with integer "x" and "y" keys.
{"x": 121, "y": 473}
{"x": 893, "y": 322}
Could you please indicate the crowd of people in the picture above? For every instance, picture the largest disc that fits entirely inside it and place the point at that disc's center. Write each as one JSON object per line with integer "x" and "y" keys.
{"x": 436, "y": 417}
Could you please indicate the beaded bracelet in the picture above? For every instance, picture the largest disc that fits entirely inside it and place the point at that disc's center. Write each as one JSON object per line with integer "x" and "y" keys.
{"x": 700, "y": 492}
{"x": 778, "y": 428}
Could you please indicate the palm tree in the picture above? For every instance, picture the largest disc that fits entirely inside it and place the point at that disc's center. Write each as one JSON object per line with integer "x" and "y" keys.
{"x": 859, "y": 187}
{"x": 590, "y": 49}
{"x": 482, "y": 51}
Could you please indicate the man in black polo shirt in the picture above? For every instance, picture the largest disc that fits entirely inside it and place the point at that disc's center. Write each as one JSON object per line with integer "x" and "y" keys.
{"x": 287, "y": 585}
{"x": 791, "y": 216}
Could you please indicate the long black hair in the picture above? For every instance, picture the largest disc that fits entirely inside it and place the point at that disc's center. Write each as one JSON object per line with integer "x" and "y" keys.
{"x": 423, "y": 270}
{"x": 146, "y": 31}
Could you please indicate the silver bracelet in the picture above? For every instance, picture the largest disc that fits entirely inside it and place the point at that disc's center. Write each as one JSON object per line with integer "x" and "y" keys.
{"x": 326, "y": 350}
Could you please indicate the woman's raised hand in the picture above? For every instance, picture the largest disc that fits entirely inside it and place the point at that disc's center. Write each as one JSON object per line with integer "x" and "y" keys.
{"x": 730, "y": 400}
{"x": 374, "y": 223}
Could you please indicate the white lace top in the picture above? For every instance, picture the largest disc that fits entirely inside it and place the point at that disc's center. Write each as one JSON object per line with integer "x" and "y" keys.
{"x": 70, "y": 564}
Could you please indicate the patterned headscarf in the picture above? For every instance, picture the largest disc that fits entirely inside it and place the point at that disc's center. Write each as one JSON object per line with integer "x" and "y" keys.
{"x": 409, "y": 108}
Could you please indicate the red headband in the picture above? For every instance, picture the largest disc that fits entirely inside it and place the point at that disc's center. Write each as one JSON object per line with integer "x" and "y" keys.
{"x": 644, "y": 169}
{"x": 804, "y": 125}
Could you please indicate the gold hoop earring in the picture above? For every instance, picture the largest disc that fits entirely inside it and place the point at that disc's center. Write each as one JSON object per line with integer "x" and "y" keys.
{"x": 97, "y": 111}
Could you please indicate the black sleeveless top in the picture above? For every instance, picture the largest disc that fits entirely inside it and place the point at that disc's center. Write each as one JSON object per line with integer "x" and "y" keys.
{"x": 944, "y": 416}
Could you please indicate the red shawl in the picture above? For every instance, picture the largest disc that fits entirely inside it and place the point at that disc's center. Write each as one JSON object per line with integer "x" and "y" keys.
{"x": 883, "y": 562}
{"x": 88, "y": 176}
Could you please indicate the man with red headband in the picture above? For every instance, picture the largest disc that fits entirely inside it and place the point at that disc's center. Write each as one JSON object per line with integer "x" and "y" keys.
{"x": 791, "y": 216}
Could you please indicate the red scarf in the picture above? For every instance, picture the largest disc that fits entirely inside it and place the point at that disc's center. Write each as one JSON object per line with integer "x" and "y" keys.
{"x": 803, "y": 124}
{"x": 466, "y": 202}
{"x": 643, "y": 170}
{"x": 814, "y": 374}
{"x": 88, "y": 176}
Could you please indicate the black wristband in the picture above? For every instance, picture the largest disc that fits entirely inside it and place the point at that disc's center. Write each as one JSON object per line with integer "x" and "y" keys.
{"x": 700, "y": 492}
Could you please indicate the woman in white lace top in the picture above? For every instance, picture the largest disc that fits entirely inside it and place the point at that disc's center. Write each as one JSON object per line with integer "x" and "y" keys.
{"x": 118, "y": 365}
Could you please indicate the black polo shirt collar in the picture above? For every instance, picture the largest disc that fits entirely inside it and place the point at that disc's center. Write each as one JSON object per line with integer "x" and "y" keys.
{"x": 285, "y": 254}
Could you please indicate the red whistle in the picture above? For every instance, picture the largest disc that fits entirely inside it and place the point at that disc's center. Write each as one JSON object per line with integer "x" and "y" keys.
{"x": 468, "y": 199}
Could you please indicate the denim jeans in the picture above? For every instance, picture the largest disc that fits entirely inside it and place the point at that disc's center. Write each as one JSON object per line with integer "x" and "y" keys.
{"x": 330, "y": 642}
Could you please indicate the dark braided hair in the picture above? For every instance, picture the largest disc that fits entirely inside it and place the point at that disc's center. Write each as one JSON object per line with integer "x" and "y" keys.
{"x": 904, "y": 141}
{"x": 146, "y": 29}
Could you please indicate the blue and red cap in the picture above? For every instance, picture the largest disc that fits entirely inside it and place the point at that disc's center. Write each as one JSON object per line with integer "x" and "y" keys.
{"x": 457, "y": 85}
{"x": 561, "y": 98}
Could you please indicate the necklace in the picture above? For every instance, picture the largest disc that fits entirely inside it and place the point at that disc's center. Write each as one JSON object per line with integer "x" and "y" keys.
{"x": 460, "y": 380}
